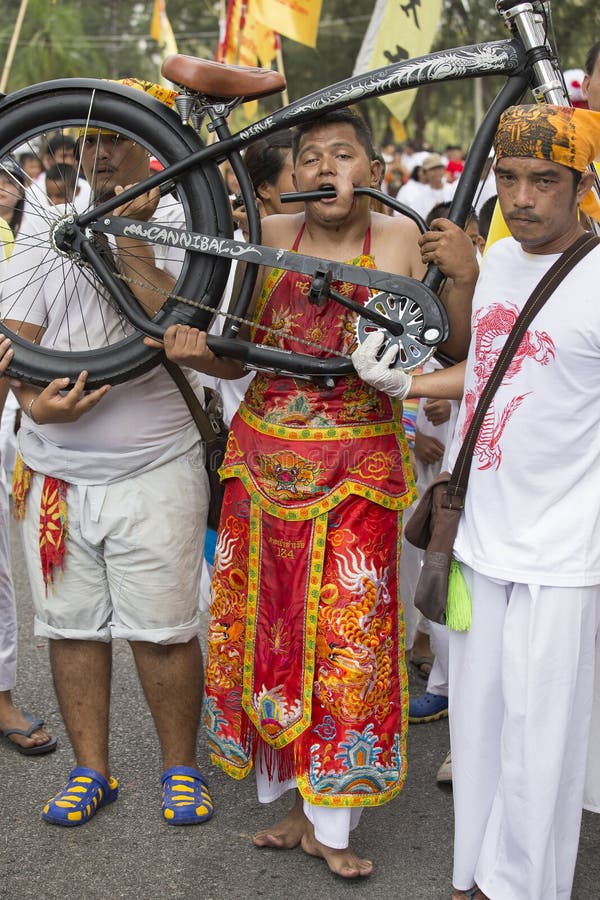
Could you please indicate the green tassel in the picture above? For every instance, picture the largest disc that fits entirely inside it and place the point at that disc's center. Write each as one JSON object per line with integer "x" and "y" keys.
{"x": 458, "y": 608}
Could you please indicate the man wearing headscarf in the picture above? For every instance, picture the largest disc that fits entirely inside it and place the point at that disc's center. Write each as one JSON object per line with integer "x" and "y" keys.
{"x": 113, "y": 502}
{"x": 528, "y": 544}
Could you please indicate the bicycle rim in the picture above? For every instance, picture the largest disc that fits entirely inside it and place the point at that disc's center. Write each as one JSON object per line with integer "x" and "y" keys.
{"x": 60, "y": 318}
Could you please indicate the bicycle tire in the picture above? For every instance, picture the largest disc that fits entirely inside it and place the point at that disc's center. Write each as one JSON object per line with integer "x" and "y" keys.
{"x": 70, "y": 106}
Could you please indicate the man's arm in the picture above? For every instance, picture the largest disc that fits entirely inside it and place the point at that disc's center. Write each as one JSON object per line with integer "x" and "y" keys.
{"x": 446, "y": 384}
{"x": 55, "y": 403}
{"x": 448, "y": 247}
{"x": 401, "y": 252}
{"x": 135, "y": 258}
{"x": 188, "y": 346}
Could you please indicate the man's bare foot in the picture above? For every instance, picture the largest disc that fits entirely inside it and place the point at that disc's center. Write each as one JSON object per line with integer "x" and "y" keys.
{"x": 341, "y": 862}
{"x": 287, "y": 833}
{"x": 11, "y": 717}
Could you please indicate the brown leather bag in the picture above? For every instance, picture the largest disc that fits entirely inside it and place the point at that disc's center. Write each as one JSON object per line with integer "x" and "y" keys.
{"x": 434, "y": 523}
{"x": 432, "y": 527}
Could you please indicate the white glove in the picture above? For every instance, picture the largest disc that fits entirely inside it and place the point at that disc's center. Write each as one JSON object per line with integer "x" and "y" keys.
{"x": 377, "y": 372}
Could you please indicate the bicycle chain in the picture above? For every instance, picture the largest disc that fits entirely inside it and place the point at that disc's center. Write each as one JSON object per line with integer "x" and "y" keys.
{"x": 227, "y": 315}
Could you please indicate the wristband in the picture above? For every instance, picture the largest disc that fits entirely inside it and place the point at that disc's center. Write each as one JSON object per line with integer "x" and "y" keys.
{"x": 30, "y": 411}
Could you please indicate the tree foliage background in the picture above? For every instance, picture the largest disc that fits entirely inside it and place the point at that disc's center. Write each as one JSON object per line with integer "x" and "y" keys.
{"x": 65, "y": 38}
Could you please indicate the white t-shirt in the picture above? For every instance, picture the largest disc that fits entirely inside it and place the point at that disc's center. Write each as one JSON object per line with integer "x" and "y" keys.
{"x": 138, "y": 425}
{"x": 410, "y": 193}
{"x": 37, "y": 206}
{"x": 426, "y": 472}
{"x": 532, "y": 512}
{"x": 424, "y": 200}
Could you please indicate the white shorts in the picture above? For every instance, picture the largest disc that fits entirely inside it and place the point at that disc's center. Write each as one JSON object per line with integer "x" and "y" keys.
{"x": 8, "y": 612}
{"x": 133, "y": 557}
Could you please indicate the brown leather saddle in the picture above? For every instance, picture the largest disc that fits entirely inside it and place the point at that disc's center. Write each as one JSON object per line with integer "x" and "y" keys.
{"x": 221, "y": 81}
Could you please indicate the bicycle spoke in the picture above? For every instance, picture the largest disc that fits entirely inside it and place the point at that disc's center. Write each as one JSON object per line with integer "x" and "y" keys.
{"x": 72, "y": 320}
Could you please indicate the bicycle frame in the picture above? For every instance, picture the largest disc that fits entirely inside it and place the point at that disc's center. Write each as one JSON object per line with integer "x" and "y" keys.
{"x": 505, "y": 58}
{"x": 525, "y": 60}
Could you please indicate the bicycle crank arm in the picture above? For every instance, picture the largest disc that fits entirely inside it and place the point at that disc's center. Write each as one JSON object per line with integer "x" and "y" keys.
{"x": 369, "y": 314}
{"x": 435, "y": 322}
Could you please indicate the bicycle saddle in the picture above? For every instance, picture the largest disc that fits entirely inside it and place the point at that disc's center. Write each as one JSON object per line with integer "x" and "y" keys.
{"x": 221, "y": 81}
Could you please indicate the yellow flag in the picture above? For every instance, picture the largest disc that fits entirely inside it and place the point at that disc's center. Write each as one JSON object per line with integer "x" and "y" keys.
{"x": 233, "y": 32}
{"x": 398, "y": 130}
{"x": 246, "y": 42}
{"x": 398, "y": 30}
{"x": 296, "y": 19}
{"x": 257, "y": 45}
{"x": 264, "y": 40}
{"x": 498, "y": 228}
{"x": 160, "y": 29}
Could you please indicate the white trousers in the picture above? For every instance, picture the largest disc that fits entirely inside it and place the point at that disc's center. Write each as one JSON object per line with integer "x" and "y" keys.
{"x": 521, "y": 693}
{"x": 437, "y": 682}
{"x": 8, "y": 613}
{"x": 332, "y": 826}
{"x": 592, "y": 781}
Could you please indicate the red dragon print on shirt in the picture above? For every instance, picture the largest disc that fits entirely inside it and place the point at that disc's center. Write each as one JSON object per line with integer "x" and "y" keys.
{"x": 491, "y": 327}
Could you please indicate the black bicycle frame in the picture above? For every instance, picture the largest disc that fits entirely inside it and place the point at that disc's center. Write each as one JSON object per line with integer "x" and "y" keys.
{"x": 526, "y": 60}
{"x": 503, "y": 58}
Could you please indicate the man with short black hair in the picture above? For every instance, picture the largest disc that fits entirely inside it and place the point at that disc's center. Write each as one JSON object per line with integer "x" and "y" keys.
{"x": 306, "y": 682}
{"x": 528, "y": 543}
{"x": 61, "y": 185}
{"x": 60, "y": 150}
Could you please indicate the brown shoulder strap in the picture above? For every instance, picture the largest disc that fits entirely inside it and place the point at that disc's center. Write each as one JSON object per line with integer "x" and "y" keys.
{"x": 196, "y": 409}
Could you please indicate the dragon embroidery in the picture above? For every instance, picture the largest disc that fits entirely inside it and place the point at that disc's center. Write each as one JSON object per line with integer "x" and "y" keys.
{"x": 492, "y": 326}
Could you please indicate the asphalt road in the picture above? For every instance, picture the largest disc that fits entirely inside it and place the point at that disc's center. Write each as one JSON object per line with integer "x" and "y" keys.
{"x": 127, "y": 851}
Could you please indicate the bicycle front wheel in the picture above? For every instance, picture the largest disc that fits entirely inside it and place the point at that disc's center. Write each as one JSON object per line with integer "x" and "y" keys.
{"x": 60, "y": 316}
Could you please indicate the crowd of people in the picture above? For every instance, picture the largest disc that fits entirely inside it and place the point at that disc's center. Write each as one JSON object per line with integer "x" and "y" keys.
{"x": 311, "y": 612}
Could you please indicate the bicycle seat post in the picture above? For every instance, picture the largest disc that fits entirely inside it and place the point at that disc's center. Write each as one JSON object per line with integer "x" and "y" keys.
{"x": 526, "y": 20}
{"x": 218, "y": 125}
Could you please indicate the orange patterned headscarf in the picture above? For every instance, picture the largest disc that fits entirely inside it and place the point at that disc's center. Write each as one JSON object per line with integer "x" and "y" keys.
{"x": 164, "y": 94}
{"x": 561, "y": 134}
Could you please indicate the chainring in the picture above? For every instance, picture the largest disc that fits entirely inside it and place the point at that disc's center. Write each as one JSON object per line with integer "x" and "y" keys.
{"x": 404, "y": 311}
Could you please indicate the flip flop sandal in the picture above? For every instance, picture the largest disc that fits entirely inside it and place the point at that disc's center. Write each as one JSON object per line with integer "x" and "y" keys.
{"x": 423, "y": 665}
{"x": 86, "y": 792}
{"x": 186, "y": 800}
{"x": 35, "y": 749}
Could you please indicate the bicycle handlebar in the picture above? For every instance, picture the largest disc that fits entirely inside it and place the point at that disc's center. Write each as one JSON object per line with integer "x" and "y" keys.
{"x": 392, "y": 202}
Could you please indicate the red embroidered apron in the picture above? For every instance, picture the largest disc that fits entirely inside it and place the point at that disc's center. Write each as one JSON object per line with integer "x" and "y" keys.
{"x": 306, "y": 634}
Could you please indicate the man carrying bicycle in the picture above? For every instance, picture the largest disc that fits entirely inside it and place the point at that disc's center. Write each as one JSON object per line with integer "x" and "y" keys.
{"x": 305, "y": 675}
{"x": 116, "y": 497}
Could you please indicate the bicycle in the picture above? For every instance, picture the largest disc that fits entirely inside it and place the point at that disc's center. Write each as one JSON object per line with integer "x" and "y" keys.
{"x": 190, "y": 184}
